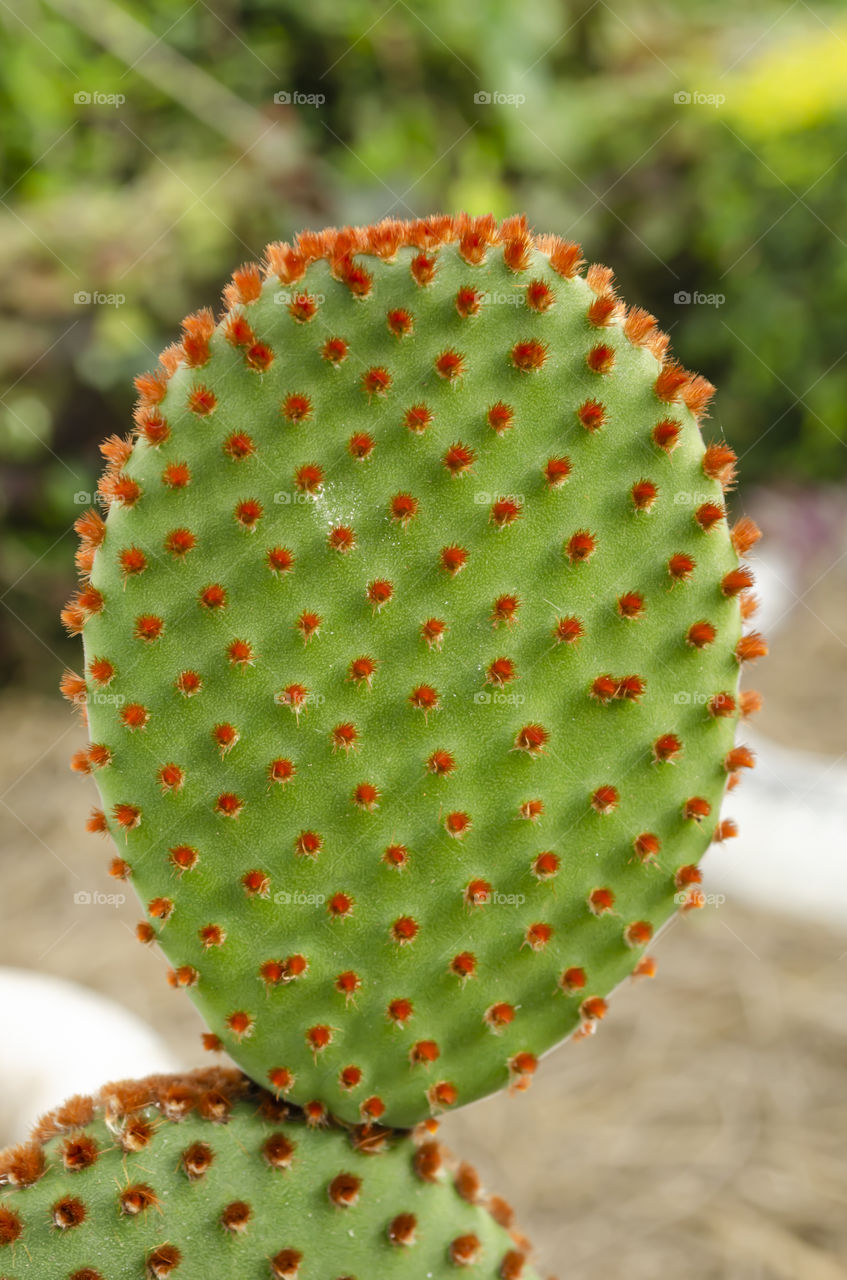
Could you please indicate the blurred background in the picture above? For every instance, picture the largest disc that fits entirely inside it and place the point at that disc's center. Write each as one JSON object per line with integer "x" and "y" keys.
{"x": 701, "y": 150}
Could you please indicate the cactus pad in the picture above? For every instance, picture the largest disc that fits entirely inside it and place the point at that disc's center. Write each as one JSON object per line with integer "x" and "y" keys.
{"x": 412, "y": 644}
{"x": 206, "y": 1175}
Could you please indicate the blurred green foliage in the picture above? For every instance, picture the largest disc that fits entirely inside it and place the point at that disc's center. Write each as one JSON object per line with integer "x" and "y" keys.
{"x": 154, "y": 199}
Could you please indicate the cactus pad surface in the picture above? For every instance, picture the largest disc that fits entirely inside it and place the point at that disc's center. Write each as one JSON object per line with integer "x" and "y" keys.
{"x": 183, "y": 1178}
{"x": 412, "y": 643}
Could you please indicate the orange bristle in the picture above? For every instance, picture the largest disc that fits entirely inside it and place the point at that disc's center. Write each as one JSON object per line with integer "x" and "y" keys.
{"x": 603, "y": 310}
{"x": 450, "y": 365}
{"x": 737, "y": 580}
{"x": 565, "y": 256}
{"x": 670, "y": 381}
{"x": 285, "y": 262}
{"x": 453, "y": 559}
{"x": 530, "y": 355}
{"x": 697, "y": 394}
{"x": 202, "y": 401}
{"x": 238, "y": 331}
{"x": 601, "y": 358}
{"x": 666, "y": 434}
{"x": 719, "y": 464}
{"x": 500, "y": 417}
{"x": 681, "y": 567}
{"x": 644, "y": 494}
{"x": 639, "y": 325}
{"x": 667, "y": 748}
{"x": 151, "y": 388}
{"x": 750, "y": 702}
{"x": 400, "y": 322}
{"x": 73, "y": 687}
{"x": 118, "y": 489}
{"x": 700, "y": 634}
{"x": 739, "y": 758}
{"x": 580, "y": 546}
{"x": 592, "y": 415}
{"x": 631, "y": 605}
{"x": 179, "y": 542}
{"x": 708, "y": 515}
{"x": 568, "y": 630}
{"x": 751, "y": 647}
{"x": 605, "y": 799}
{"x": 539, "y": 296}
{"x": 505, "y": 511}
{"x": 197, "y": 329}
{"x": 176, "y": 475}
{"x": 303, "y": 308}
{"x": 745, "y": 534}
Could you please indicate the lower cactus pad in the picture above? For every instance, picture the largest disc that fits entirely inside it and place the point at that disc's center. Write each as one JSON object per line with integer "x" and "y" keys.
{"x": 205, "y": 1175}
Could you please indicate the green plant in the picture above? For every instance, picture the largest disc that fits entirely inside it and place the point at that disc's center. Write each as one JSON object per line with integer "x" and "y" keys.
{"x": 205, "y": 1174}
{"x": 412, "y": 641}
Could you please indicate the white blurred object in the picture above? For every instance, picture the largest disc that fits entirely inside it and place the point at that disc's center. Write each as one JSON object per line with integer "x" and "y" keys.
{"x": 777, "y": 588}
{"x": 60, "y": 1039}
{"x": 791, "y": 853}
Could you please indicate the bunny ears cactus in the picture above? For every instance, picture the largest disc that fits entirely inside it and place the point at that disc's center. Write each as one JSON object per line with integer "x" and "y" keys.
{"x": 185, "y": 1177}
{"x": 412, "y": 644}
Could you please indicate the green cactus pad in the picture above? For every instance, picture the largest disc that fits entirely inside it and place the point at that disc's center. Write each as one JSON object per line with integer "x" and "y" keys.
{"x": 412, "y": 644}
{"x": 206, "y": 1175}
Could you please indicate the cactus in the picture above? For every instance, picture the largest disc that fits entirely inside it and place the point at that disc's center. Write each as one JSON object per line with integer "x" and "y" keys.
{"x": 207, "y": 1175}
{"x": 412, "y": 643}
